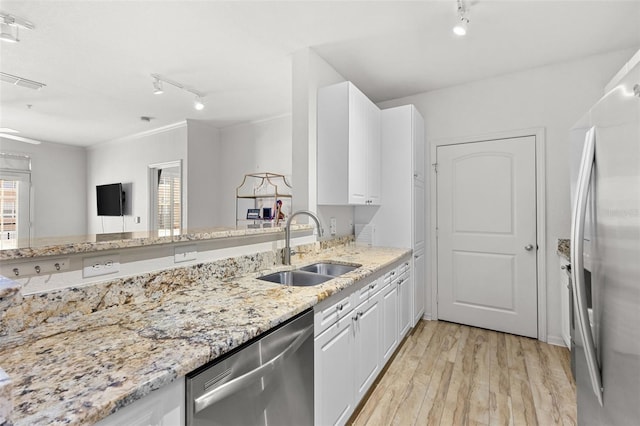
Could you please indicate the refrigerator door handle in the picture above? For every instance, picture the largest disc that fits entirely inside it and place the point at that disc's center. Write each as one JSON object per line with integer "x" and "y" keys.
{"x": 577, "y": 261}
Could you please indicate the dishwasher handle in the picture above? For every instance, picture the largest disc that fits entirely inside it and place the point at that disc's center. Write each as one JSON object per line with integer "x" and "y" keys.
{"x": 231, "y": 387}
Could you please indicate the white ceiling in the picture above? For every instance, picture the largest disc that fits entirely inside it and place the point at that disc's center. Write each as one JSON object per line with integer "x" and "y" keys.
{"x": 96, "y": 57}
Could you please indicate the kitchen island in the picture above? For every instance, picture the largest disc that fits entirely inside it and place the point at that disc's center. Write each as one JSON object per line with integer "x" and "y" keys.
{"x": 77, "y": 368}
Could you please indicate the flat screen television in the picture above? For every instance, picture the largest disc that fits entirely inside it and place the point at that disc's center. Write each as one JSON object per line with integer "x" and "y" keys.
{"x": 110, "y": 199}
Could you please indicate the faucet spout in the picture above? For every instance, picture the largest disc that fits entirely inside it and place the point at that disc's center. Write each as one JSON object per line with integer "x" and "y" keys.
{"x": 286, "y": 256}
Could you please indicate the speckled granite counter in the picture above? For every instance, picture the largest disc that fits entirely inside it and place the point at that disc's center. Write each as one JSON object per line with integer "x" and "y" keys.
{"x": 564, "y": 248}
{"x": 77, "y": 368}
{"x": 92, "y": 243}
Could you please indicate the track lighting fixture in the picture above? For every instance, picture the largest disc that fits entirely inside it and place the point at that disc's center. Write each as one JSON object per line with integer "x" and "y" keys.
{"x": 198, "y": 103}
{"x": 460, "y": 29}
{"x": 10, "y": 25}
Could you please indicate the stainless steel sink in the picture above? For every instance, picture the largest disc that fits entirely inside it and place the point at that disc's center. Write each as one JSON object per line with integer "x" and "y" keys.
{"x": 332, "y": 269}
{"x": 296, "y": 278}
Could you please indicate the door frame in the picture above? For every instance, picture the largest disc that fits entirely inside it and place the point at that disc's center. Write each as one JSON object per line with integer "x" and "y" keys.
{"x": 540, "y": 151}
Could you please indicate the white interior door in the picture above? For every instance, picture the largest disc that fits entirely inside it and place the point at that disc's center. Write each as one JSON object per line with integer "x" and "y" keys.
{"x": 486, "y": 225}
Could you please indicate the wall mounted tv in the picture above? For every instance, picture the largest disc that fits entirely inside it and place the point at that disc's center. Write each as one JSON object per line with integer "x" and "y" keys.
{"x": 110, "y": 199}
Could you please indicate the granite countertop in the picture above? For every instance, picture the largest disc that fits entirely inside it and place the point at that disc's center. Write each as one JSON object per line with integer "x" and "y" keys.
{"x": 57, "y": 246}
{"x": 80, "y": 370}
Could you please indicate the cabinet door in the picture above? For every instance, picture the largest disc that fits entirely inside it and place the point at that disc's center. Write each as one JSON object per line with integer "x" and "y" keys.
{"x": 565, "y": 300}
{"x": 366, "y": 323}
{"x": 405, "y": 296}
{"x": 374, "y": 154}
{"x": 358, "y": 118}
{"x": 334, "y": 374}
{"x": 419, "y": 285}
{"x": 417, "y": 124}
{"x": 389, "y": 321}
{"x": 419, "y": 216}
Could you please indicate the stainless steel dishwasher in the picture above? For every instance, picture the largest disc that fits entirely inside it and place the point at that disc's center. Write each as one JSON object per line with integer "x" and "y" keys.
{"x": 267, "y": 382}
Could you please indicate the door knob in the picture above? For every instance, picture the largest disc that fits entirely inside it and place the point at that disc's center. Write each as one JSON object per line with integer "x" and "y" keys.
{"x": 528, "y": 247}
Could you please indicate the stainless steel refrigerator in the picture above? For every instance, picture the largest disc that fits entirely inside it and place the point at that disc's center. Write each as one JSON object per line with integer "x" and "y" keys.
{"x": 605, "y": 256}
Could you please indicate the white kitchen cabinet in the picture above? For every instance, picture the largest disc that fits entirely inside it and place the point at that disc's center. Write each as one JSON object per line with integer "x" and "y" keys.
{"x": 366, "y": 330}
{"x": 388, "y": 321}
{"x": 405, "y": 298}
{"x": 565, "y": 302}
{"x": 334, "y": 373}
{"x": 162, "y": 407}
{"x": 419, "y": 296}
{"x": 348, "y": 152}
{"x": 401, "y": 218}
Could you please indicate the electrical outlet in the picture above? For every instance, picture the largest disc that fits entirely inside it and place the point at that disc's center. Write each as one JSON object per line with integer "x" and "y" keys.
{"x": 185, "y": 253}
{"x": 100, "y": 265}
{"x": 36, "y": 267}
{"x": 333, "y": 226}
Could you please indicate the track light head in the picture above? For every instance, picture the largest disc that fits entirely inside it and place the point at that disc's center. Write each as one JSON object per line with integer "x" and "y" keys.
{"x": 157, "y": 87}
{"x": 198, "y": 103}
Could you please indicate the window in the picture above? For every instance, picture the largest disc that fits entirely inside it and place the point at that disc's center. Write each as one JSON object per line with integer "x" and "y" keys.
{"x": 15, "y": 195}
{"x": 166, "y": 198}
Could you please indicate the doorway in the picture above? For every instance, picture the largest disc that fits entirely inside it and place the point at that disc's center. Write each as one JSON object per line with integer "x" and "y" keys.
{"x": 166, "y": 215}
{"x": 488, "y": 234}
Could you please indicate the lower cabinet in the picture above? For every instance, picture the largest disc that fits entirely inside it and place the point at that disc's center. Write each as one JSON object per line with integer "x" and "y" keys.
{"x": 352, "y": 351}
{"x": 366, "y": 344}
{"x": 333, "y": 365}
{"x": 405, "y": 290}
{"x": 389, "y": 321}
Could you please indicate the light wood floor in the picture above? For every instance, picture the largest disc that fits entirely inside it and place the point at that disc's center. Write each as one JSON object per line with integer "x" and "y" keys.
{"x": 450, "y": 374}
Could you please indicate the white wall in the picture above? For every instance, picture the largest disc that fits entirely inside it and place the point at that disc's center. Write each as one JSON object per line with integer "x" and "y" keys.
{"x": 553, "y": 97}
{"x": 127, "y": 160}
{"x": 311, "y": 72}
{"x": 254, "y": 147}
{"x": 58, "y": 176}
{"x": 202, "y": 183}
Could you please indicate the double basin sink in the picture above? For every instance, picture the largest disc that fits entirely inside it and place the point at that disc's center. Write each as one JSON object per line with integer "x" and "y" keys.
{"x": 310, "y": 275}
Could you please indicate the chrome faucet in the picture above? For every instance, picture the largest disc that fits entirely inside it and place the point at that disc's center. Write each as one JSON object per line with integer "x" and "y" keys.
{"x": 286, "y": 256}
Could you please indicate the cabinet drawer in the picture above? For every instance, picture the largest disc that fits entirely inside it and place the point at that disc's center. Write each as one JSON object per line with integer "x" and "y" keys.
{"x": 331, "y": 314}
{"x": 368, "y": 291}
{"x": 404, "y": 267}
{"x": 390, "y": 276}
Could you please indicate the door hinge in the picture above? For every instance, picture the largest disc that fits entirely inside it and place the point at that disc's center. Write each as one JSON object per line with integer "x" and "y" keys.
{"x": 435, "y": 167}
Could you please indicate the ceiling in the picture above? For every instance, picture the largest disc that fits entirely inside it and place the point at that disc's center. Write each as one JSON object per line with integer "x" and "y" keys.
{"x": 96, "y": 57}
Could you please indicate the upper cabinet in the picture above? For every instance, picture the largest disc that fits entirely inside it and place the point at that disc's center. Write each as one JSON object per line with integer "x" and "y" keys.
{"x": 349, "y": 150}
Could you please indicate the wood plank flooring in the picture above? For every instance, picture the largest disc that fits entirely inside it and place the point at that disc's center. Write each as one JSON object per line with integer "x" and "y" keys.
{"x": 451, "y": 374}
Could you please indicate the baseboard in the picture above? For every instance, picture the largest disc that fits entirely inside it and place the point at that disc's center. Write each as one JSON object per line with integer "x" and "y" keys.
{"x": 426, "y": 317}
{"x": 556, "y": 341}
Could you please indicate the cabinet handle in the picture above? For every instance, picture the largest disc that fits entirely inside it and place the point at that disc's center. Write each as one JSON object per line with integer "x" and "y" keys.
{"x": 406, "y": 263}
{"x": 358, "y": 315}
{"x": 393, "y": 272}
{"x": 339, "y": 307}
{"x": 372, "y": 286}
{"x": 400, "y": 281}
